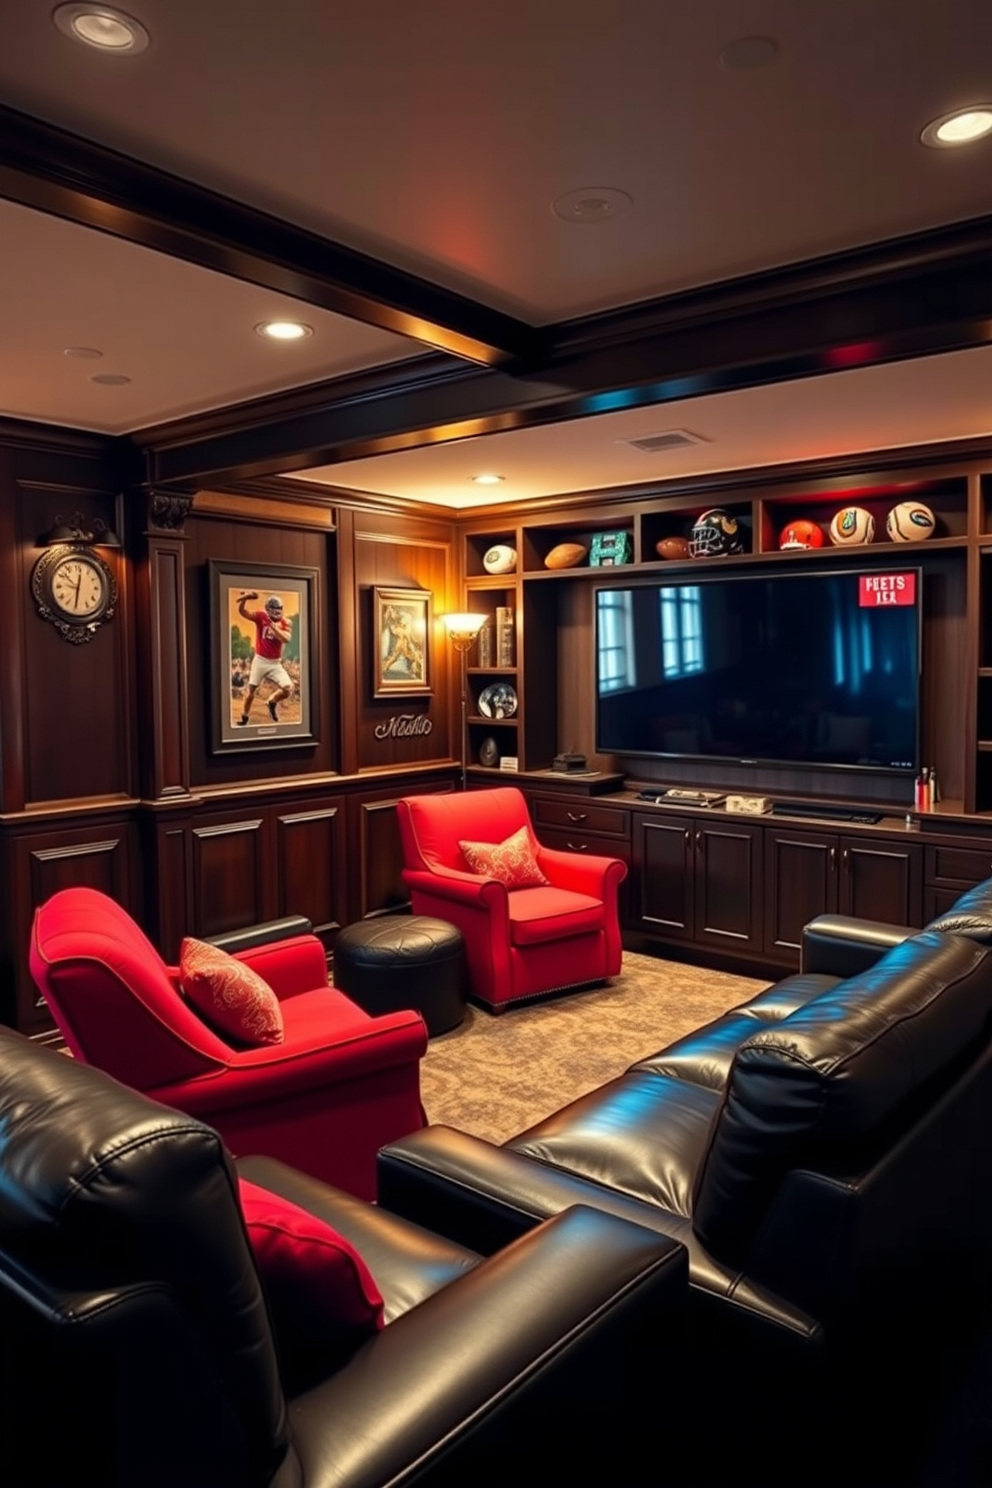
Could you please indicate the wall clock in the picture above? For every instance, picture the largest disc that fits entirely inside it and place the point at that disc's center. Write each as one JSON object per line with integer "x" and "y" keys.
{"x": 75, "y": 590}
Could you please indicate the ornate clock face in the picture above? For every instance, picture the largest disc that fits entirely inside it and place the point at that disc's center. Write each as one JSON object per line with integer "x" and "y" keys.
{"x": 79, "y": 587}
{"x": 75, "y": 590}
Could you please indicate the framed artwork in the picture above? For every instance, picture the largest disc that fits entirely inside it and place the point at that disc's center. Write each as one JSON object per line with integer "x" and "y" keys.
{"x": 263, "y": 625}
{"x": 401, "y": 621}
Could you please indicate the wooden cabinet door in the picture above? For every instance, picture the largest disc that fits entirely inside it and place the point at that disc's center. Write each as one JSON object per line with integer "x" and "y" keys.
{"x": 800, "y": 882}
{"x": 881, "y": 880}
{"x": 661, "y": 888}
{"x": 727, "y": 907}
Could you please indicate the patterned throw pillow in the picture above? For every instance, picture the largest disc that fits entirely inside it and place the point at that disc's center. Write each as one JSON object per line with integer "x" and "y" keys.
{"x": 229, "y": 995}
{"x": 511, "y": 862}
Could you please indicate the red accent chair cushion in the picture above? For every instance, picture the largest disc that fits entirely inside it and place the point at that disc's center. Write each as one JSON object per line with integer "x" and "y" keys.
{"x": 319, "y": 1290}
{"x": 519, "y": 942}
{"x": 511, "y": 862}
{"x": 339, "y": 1086}
{"x": 234, "y": 999}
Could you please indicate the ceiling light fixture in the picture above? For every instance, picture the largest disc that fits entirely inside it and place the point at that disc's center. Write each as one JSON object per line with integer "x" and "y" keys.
{"x": 103, "y": 27}
{"x": 284, "y": 330}
{"x": 83, "y": 353}
{"x": 592, "y": 204}
{"x": 962, "y": 127}
{"x": 110, "y": 379}
{"x": 487, "y": 480}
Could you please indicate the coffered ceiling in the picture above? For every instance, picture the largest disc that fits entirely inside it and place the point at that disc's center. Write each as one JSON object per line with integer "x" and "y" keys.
{"x": 388, "y": 174}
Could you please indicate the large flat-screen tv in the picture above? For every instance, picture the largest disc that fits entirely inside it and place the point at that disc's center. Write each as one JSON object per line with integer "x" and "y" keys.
{"x": 810, "y": 669}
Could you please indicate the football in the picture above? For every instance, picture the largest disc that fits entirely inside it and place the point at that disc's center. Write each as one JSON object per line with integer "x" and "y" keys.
{"x": 910, "y": 521}
{"x": 801, "y": 534}
{"x": 852, "y": 524}
{"x": 499, "y": 559}
{"x": 672, "y": 547}
{"x": 566, "y": 555}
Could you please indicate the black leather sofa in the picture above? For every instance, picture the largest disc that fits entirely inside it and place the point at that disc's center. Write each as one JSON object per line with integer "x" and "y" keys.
{"x": 137, "y": 1348}
{"x": 824, "y": 1151}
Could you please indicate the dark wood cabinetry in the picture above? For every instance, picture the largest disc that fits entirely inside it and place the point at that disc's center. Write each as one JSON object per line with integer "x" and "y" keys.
{"x": 697, "y": 880}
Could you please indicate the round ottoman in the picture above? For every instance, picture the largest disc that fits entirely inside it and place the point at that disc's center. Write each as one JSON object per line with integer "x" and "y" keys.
{"x": 404, "y": 961}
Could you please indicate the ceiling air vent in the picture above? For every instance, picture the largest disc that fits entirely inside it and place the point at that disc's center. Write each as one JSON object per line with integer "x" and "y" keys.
{"x": 671, "y": 439}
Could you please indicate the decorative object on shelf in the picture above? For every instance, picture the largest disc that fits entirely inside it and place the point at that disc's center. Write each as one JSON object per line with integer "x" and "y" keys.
{"x": 509, "y": 762}
{"x": 484, "y": 656}
{"x": 73, "y": 586}
{"x": 564, "y": 764}
{"x": 566, "y": 555}
{"x": 498, "y": 700}
{"x": 801, "y": 534}
{"x": 462, "y": 630}
{"x": 401, "y": 641}
{"x": 504, "y": 636}
{"x": 489, "y": 752}
{"x": 672, "y": 547}
{"x": 610, "y": 548}
{"x": 852, "y": 524}
{"x": 747, "y": 805}
{"x": 264, "y": 621}
{"x": 909, "y": 521}
{"x": 716, "y": 534}
{"x": 500, "y": 559}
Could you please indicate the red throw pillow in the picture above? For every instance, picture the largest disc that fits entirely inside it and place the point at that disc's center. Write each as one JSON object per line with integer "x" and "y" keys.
{"x": 229, "y": 994}
{"x": 321, "y": 1295}
{"x": 511, "y": 862}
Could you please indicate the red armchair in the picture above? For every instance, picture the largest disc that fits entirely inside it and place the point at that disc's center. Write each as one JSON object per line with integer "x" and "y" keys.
{"x": 338, "y": 1087}
{"x": 519, "y": 943}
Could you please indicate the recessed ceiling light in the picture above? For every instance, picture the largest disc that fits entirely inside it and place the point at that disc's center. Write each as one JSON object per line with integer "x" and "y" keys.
{"x": 284, "y": 330}
{"x": 959, "y": 128}
{"x": 102, "y": 26}
{"x": 83, "y": 353}
{"x": 592, "y": 204}
{"x": 110, "y": 379}
{"x": 747, "y": 53}
{"x": 488, "y": 480}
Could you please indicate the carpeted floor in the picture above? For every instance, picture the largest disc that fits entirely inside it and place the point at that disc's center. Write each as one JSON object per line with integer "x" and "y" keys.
{"x": 494, "y": 1076}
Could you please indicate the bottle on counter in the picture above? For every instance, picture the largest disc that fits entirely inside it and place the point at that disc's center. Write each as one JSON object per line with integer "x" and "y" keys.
{"x": 920, "y": 791}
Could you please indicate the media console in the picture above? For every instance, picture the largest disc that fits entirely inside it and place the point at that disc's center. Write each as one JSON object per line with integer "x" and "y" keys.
{"x": 707, "y": 884}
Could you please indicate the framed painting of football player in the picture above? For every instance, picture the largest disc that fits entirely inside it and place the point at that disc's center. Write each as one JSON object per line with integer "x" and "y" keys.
{"x": 402, "y": 635}
{"x": 263, "y": 620}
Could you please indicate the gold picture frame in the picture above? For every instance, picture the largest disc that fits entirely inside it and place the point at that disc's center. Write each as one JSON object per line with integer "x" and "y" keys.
{"x": 402, "y": 621}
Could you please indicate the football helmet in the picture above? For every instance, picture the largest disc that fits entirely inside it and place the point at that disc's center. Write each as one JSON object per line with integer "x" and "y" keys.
{"x": 274, "y": 604}
{"x": 715, "y": 535}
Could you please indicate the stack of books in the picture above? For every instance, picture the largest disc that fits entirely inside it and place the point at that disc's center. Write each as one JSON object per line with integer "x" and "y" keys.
{"x": 504, "y": 636}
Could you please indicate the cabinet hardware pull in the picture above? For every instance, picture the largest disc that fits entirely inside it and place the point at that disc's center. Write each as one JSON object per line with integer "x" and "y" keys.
{"x": 578, "y": 846}
{"x": 577, "y": 816}
{"x": 688, "y": 836}
{"x": 699, "y": 839}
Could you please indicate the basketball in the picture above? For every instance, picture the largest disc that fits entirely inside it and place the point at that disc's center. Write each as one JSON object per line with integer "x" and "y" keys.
{"x": 910, "y": 521}
{"x": 852, "y": 524}
{"x": 801, "y": 534}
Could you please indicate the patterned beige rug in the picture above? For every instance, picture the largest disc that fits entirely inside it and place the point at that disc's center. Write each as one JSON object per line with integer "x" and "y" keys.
{"x": 495, "y": 1076}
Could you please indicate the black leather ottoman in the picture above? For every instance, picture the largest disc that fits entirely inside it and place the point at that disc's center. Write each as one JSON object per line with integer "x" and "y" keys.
{"x": 404, "y": 961}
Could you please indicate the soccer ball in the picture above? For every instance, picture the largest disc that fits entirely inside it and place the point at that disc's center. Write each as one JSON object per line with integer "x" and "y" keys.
{"x": 852, "y": 524}
{"x": 801, "y": 534}
{"x": 715, "y": 535}
{"x": 910, "y": 521}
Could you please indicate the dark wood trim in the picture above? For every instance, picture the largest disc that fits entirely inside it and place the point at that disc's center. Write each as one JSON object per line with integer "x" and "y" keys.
{"x": 48, "y": 168}
{"x": 24, "y": 434}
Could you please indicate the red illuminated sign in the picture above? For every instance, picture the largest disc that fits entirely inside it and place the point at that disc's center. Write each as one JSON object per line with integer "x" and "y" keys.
{"x": 886, "y": 589}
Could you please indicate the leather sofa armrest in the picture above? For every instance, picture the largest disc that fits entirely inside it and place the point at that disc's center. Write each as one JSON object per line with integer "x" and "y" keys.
{"x": 842, "y": 946}
{"x": 250, "y": 936}
{"x": 558, "y": 1323}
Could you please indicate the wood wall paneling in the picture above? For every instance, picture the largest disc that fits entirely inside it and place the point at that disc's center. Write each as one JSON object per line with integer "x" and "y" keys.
{"x": 312, "y": 866}
{"x": 233, "y": 881}
{"x": 162, "y": 672}
{"x": 376, "y": 878}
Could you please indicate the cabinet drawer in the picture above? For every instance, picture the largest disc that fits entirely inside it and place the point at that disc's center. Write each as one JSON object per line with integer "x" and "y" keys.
{"x": 961, "y": 865}
{"x": 580, "y": 815}
{"x": 578, "y": 841}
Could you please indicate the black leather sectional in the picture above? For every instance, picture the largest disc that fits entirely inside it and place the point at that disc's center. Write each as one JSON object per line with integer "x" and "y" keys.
{"x": 824, "y": 1152}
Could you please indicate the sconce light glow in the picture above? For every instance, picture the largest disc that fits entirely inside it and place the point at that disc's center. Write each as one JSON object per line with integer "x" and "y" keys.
{"x": 284, "y": 330}
{"x": 962, "y": 127}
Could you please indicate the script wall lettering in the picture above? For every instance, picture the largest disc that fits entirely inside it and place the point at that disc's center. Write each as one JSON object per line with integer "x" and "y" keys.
{"x": 404, "y": 726}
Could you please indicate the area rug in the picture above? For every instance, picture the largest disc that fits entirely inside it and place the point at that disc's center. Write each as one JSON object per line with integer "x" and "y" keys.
{"x": 494, "y": 1076}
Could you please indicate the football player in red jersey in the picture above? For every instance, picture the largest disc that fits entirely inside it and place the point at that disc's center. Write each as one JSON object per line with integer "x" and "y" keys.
{"x": 272, "y": 631}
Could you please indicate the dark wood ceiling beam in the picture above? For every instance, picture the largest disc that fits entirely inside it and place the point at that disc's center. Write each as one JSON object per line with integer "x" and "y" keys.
{"x": 54, "y": 171}
{"x": 807, "y": 321}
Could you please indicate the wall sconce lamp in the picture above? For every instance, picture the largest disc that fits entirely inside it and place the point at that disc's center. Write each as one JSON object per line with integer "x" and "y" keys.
{"x": 95, "y": 533}
{"x": 463, "y": 631}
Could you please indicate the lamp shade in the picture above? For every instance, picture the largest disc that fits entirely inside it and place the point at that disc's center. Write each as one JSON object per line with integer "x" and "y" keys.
{"x": 462, "y": 629}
